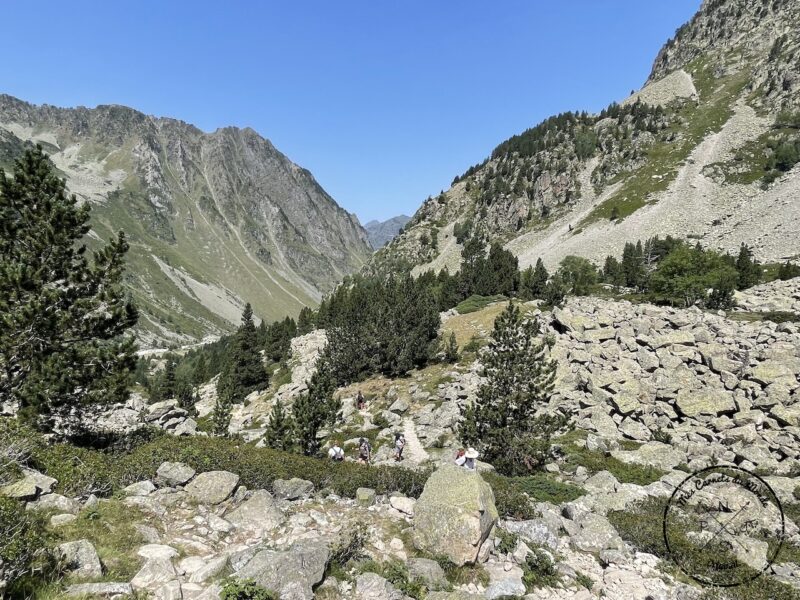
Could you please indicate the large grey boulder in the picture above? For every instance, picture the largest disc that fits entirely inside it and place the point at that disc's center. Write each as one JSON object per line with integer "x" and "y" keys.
{"x": 259, "y": 512}
{"x": 212, "y": 487}
{"x": 454, "y": 515}
{"x": 292, "y": 489}
{"x": 30, "y": 486}
{"x": 80, "y": 558}
{"x": 292, "y": 573}
{"x": 154, "y": 574}
{"x": 172, "y": 474}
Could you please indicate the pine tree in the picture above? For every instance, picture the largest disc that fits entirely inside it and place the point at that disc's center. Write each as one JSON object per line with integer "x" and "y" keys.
{"x": 200, "y": 375}
{"x": 316, "y": 408}
{"x": 749, "y": 269}
{"x": 539, "y": 280}
{"x": 63, "y": 314}
{"x": 280, "y": 428}
{"x": 185, "y": 396}
{"x": 305, "y": 322}
{"x": 167, "y": 382}
{"x": 614, "y": 213}
{"x": 451, "y": 354}
{"x": 633, "y": 265}
{"x": 519, "y": 378}
{"x": 244, "y": 364}
{"x": 556, "y": 291}
{"x": 223, "y": 407}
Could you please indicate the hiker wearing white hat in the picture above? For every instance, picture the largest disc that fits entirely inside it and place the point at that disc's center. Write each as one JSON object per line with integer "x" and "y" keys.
{"x": 471, "y": 454}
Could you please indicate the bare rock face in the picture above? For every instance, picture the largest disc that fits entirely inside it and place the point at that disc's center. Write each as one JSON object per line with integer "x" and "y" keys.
{"x": 454, "y": 515}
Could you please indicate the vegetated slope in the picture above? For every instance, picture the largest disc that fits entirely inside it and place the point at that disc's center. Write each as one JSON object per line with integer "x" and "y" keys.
{"x": 381, "y": 233}
{"x": 707, "y": 150}
{"x": 214, "y": 219}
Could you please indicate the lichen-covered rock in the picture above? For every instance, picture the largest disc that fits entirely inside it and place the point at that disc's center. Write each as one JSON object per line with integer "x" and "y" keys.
{"x": 454, "y": 515}
{"x": 81, "y": 559}
{"x": 292, "y": 489}
{"x": 259, "y": 512}
{"x": 212, "y": 487}
{"x": 292, "y": 573}
{"x": 174, "y": 474}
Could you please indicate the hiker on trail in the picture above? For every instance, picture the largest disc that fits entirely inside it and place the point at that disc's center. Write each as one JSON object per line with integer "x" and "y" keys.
{"x": 336, "y": 453}
{"x": 399, "y": 445}
{"x": 470, "y": 455}
{"x": 364, "y": 451}
{"x": 460, "y": 458}
{"x": 360, "y": 402}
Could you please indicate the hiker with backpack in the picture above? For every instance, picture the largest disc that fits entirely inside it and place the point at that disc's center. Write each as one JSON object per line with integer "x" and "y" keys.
{"x": 336, "y": 453}
{"x": 361, "y": 403}
{"x": 364, "y": 451}
{"x": 399, "y": 445}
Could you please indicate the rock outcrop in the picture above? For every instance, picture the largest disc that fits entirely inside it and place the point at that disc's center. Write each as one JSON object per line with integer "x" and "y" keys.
{"x": 455, "y": 514}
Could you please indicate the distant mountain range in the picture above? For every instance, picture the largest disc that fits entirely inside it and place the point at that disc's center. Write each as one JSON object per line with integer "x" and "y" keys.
{"x": 706, "y": 150}
{"x": 214, "y": 219}
{"x": 381, "y": 233}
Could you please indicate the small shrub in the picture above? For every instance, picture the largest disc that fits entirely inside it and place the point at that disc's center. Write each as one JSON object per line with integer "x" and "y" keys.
{"x": 663, "y": 436}
{"x": 539, "y": 570}
{"x": 22, "y": 540}
{"x": 507, "y": 541}
{"x": 475, "y": 303}
{"x": 350, "y": 547}
{"x": 380, "y": 421}
{"x": 583, "y": 580}
{"x": 247, "y": 589}
{"x": 474, "y": 344}
{"x": 543, "y": 488}
{"x": 596, "y": 461}
{"x": 510, "y": 500}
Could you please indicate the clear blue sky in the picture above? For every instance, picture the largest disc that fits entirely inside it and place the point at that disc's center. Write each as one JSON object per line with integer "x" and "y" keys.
{"x": 385, "y": 101}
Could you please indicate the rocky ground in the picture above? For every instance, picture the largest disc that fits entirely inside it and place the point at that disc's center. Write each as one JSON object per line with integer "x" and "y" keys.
{"x": 662, "y": 392}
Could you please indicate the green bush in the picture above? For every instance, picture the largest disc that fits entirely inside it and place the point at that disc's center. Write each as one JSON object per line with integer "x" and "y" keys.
{"x": 596, "y": 461}
{"x": 542, "y": 487}
{"x": 246, "y": 589}
{"x": 510, "y": 499}
{"x": 539, "y": 570}
{"x": 507, "y": 541}
{"x": 476, "y": 303}
{"x": 22, "y": 540}
{"x": 81, "y": 471}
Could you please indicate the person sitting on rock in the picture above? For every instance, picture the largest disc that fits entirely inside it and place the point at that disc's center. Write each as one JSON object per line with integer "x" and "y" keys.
{"x": 336, "y": 453}
{"x": 460, "y": 458}
{"x": 470, "y": 455}
{"x": 399, "y": 444}
{"x": 364, "y": 451}
{"x": 361, "y": 403}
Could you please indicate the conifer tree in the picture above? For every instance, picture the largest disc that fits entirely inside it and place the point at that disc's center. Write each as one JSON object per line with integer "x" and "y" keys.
{"x": 63, "y": 314}
{"x": 305, "y": 322}
{"x": 185, "y": 396}
{"x": 223, "y": 407}
{"x": 200, "y": 374}
{"x": 749, "y": 269}
{"x": 502, "y": 422}
{"x": 244, "y": 364}
{"x": 451, "y": 354}
{"x": 633, "y": 265}
{"x": 539, "y": 281}
{"x": 556, "y": 291}
{"x": 316, "y": 408}
{"x": 280, "y": 428}
{"x": 167, "y": 382}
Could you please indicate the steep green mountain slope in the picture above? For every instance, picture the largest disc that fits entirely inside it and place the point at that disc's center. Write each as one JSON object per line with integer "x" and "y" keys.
{"x": 214, "y": 219}
{"x": 706, "y": 150}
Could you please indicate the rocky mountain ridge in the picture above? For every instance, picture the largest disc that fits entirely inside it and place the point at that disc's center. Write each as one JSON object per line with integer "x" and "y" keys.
{"x": 214, "y": 219}
{"x": 382, "y": 232}
{"x": 689, "y": 155}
